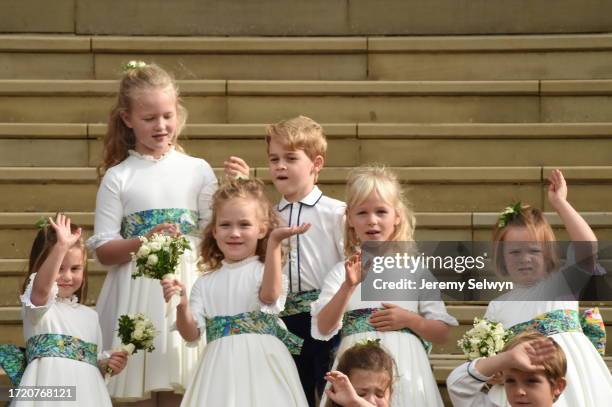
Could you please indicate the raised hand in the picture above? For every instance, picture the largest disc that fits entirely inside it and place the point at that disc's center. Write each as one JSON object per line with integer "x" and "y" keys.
{"x": 391, "y": 318}
{"x": 283, "y": 232}
{"x": 557, "y": 189}
{"x": 341, "y": 391}
{"x": 529, "y": 356}
{"x": 235, "y": 167}
{"x": 63, "y": 232}
{"x": 352, "y": 270}
{"x": 171, "y": 286}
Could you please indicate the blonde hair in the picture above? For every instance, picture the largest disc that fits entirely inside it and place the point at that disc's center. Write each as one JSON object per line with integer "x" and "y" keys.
{"x": 361, "y": 183}
{"x": 44, "y": 241}
{"x": 299, "y": 133}
{"x": 120, "y": 138}
{"x": 251, "y": 189}
{"x": 555, "y": 367}
{"x": 534, "y": 221}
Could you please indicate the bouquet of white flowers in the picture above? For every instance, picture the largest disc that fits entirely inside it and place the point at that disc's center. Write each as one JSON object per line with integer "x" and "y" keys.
{"x": 487, "y": 338}
{"x": 136, "y": 332}
{"x": 158, "y": 256}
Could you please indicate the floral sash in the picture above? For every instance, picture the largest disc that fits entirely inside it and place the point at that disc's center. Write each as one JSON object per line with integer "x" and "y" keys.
{"x": 14, "y": 359}
{"x": 299, "y": 302}
{"x": 357, "y": 321}
{"x": 564, "y": 320}
{"x": 139, "y": 223}
{"x": 255, "y": 322}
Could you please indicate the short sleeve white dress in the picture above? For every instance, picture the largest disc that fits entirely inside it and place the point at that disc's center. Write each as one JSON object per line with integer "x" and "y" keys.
{"x": 63, "y": 316}
{"x": 135, "y": 196}
{"x": 416, "y": 385}
{"x": 240, "y": 370}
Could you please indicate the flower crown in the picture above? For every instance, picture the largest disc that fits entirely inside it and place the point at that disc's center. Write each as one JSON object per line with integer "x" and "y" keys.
{"x": 508, "y": 214}
{"x": 133, "y": 65}
{"x": 369, "y": 342}
{"x": 42, "y": 223}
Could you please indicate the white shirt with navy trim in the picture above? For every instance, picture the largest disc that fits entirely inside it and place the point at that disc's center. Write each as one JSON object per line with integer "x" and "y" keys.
{"x": 465, "y": 385}
{"x": 313, "y": 254}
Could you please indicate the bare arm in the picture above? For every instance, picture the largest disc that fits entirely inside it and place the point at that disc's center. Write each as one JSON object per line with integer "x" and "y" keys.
{"x": 394, "y": 318}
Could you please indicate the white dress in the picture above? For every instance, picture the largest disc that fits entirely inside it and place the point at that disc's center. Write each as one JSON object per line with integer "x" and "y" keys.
{"x": 416, "y": 385}
{"x": 589, "y": 383}
{"x": 134, "y": 196}
{"x": 240, "y": 370}
{"x": 65, "y": 317}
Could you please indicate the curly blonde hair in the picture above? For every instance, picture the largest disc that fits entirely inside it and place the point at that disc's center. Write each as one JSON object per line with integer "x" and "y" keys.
{"x": 250, "y": 189}
{"x": 361, "y": 183}
{"x": 120, "y": 138}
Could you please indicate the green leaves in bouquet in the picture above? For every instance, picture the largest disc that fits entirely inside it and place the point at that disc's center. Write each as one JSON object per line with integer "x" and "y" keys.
{"x": 156, "y": 263}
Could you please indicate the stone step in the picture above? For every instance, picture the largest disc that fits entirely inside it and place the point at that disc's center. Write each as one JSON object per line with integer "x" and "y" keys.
{"x": 432, "y": 189}
{"x": 297, "y": 18}
{"x": 17, "y": 229}
{"x": 561, "y": 56}
{"x": 241, "y": 101}
{"x": 350, "y": 144}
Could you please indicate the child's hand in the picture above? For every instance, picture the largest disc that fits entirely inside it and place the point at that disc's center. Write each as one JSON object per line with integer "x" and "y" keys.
{"x": 341, "y": 391}
{"x": 65, "y": 236}
{"x": 170, "y": 229}
{"x": 557, "y": 189}
{"x": 528, "y": 356}
{"x": 235, "y": 167}
{"x": 352, "y": 270}
{"x": 392, "y": 318}
{"x": 172, "y": 286}
{"x": 116, "y": 362}
{"x": 282, "y": 233}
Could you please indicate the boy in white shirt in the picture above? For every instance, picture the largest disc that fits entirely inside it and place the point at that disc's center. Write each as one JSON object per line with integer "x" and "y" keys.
{"x": 296, "y": 154}
{"x": 533, "y": 369}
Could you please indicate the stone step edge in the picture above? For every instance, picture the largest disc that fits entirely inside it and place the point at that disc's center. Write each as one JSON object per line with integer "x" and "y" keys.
{"x": 336, "y": 175}
{"x": 291, "y": 45}
{"x": 334, "y": 130}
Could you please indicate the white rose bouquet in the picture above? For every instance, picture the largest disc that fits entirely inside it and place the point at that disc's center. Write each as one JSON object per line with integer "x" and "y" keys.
{"x": 136, "y": 332}
{"x": 159, "y": 255}
{"x": 485, "y": 339}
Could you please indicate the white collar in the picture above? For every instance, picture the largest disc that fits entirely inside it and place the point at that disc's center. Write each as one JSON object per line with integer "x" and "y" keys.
{"x": 148, "y": 157}
{"x": 309, "y": 200}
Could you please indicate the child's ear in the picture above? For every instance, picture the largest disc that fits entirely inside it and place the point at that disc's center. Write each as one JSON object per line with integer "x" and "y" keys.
{"x": 125, "y": 117}
{"x": 318, "y": 163}
{"x": 263, "y": 230}
{"x": 558, "y": 387}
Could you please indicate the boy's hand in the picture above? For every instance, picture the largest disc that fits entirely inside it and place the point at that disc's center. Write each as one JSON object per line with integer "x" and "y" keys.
{"x": 352, "y": 269}
{"x": 65, "y": 236}
{"x": 341, "y": 391}
{"x": 235, "y": 166}
{"x": 557, "y": 189}
{"x": 117, "y": 361}
{"x": 528, "y": 356}
{"x": 172, "y": 286}
{"x": 392, "y": 318}
{"x": 283, "y": 232}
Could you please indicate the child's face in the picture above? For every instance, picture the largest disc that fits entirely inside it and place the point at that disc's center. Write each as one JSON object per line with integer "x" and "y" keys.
{"x": 293, "y": 172}
{"x": 373, "y": 219}
{"x": 531, "y": 389}
{"x": 523, "y": 257}
{"x": 372, "y": 386}
{"x": 153, "y": 119}
{"x": 70, "y": 276}
{"x": 238, "y": 228}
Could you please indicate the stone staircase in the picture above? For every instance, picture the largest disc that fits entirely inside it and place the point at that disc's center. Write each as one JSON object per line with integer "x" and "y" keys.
{"x": 471, "y": 112}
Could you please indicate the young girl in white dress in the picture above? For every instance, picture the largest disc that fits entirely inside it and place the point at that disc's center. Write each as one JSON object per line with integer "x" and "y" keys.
{"x": 149, "y": 186}
{"x": 376, "y": 212}
{"x": 63, "y": 338}
{"x": 526, "y": 260}
{"x": 247, "y": 360}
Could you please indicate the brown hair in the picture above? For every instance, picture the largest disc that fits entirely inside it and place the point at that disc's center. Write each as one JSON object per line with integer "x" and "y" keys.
{"x": 555, "y": 367}
{"x": 299, "y": 133}
{"x": 251, "y": 189}
{"x": 120, "y": 138}
{"x": 361, "y": 183}
{"x": 534, "y": 221}
{"x": 43, "y": 243}
{"x": 366, "y": 356}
